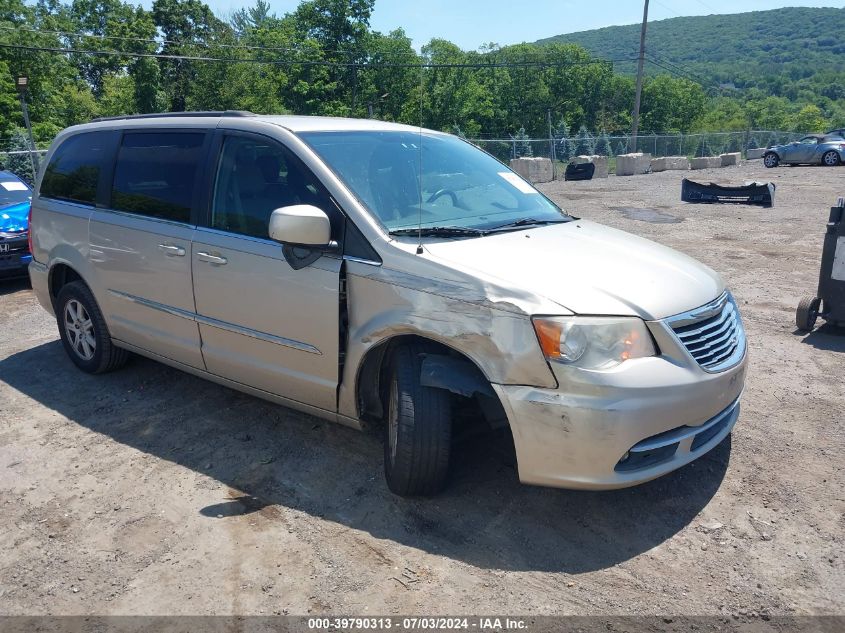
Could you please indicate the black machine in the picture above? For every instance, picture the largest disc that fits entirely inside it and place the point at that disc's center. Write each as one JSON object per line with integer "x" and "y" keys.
{"x": 829, "y": 303}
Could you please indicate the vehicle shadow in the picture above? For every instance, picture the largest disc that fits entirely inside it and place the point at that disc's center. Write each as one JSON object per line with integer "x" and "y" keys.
{"x": 272, "y": 456}
{"x": 14, "y": 284}
{"x": 827, "y": 337}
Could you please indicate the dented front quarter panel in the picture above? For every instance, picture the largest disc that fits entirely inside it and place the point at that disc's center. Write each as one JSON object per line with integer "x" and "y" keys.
{"x": 488, "y": 323}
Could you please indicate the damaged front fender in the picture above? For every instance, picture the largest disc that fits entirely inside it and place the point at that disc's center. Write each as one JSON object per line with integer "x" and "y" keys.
{"x": 489, "y": 327}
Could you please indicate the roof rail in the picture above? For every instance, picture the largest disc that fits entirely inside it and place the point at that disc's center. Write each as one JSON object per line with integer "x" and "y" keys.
{"x": 161, "y": 115}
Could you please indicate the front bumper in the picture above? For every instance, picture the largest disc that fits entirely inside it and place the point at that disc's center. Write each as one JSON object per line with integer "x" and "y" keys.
{"x": 14, "y": 264}
{"x": 14, "y": 255}
{"x": 663, "y": 412}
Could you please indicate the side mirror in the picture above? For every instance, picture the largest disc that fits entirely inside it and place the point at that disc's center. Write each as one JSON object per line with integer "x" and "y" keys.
{"x": 300, "y": 224}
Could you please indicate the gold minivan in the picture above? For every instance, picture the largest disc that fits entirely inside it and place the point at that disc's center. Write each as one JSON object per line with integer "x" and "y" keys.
{"x": 372, "y": 273}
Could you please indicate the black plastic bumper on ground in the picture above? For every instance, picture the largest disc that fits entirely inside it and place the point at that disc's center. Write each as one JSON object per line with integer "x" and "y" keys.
{"x": 759, "y": 193}
{"x": 583, "y": 171}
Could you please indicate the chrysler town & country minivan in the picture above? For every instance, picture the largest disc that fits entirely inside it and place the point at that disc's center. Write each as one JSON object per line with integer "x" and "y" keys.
{"x": 374, "y": 273}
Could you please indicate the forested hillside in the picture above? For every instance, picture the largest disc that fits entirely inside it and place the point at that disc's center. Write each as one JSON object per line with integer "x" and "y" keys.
{"x": 746, "y": 49}
{"x": 89, "y": 58}
{"x": 795, "y": 54}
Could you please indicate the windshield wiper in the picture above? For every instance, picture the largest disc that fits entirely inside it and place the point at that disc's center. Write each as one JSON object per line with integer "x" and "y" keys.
{"x": 439, "y": 231}
{"x": 524, "y": 222}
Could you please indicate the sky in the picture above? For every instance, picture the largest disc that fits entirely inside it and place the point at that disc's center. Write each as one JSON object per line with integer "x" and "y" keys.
{"x": 471, "y": 23}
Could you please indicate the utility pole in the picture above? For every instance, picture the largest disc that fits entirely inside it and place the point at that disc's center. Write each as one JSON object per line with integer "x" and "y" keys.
{"x": 632, "y": 145}
{"x": 23, "y": 86}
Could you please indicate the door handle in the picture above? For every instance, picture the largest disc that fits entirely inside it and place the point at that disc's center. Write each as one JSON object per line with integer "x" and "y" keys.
{"x": 171, "y": 250}
{"x": 216, "y": 260}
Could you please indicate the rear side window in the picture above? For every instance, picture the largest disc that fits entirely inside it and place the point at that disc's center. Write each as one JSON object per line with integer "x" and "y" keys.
{"x": 74, "y": 169}
{"x": 155, "y": 174}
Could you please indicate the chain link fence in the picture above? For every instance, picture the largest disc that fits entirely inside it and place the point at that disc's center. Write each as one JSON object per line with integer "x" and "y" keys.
{"x": 691, "y": 145}
{"x": 561, "y": 150}
{"x": 20, "y": 163}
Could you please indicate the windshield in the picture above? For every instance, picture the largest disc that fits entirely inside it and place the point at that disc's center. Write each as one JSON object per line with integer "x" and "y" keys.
{"x": 461, "y": 185}
{"x": 13, "y": 192}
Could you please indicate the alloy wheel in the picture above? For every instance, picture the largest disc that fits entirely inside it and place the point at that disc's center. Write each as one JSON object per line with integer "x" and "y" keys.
{"x": 80, "y": 330}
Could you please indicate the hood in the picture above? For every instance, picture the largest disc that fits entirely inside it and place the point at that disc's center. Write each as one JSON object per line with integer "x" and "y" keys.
{"x": 588, "y": 269}
{"x": 13, "y": 218}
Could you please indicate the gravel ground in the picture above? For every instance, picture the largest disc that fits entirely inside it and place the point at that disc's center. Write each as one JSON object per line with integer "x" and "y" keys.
{"x": 148, "y": 491}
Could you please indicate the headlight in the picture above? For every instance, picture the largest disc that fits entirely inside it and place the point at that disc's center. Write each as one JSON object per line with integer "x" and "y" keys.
{"x": 593, "y": 342}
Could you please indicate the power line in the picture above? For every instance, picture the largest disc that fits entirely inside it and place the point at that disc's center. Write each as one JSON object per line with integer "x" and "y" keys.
{"x": 288, "y": 62}
{"x": 158, "y": 42}
{"x": 211, "y": 45}
{"x": 683, "y": 71}
{"x": 668, "y": 8}
{"x": 706, "y": 6}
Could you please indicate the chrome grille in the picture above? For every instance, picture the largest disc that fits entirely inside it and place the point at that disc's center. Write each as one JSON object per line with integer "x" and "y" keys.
{"x": 712, "y": 334}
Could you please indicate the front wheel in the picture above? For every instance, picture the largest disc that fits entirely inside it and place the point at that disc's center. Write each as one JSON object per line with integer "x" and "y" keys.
{"x": 771, "y": 160}
{"x": 830, "y": 159}
{"x": 83, "y": 331}
{"x": 807, "y": 313}
{"x": 418, "y": 427}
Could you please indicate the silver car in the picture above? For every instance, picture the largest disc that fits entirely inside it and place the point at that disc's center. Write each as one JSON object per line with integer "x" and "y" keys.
{"x": 376, "y": 274}
{"x": 816, "y": 149}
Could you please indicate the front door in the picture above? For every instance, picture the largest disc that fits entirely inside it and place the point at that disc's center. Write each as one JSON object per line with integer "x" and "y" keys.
{"x": 262, "y": 323}
{"x": 140, "y": 245}
{"x": 807, "y": 149}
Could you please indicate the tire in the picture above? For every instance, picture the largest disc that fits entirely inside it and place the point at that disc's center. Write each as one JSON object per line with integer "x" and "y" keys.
{"x": 807, "y": 313}
{"x": 830, "y": 159}
{"x": 84, "y": 333}
{"x": 417, "y": 427}
{"x": 771, "y": 160}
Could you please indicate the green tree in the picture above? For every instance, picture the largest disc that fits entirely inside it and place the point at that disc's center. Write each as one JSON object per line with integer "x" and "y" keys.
{"x": 602, "y": 147}
{"x": 809, "y": 119}
{"x": 19, "y": 161}
{"x": 671, "y": 105}
{"x": 563, "y": 147}
{"x": 340, "y": 28}
{"x": 117, "y": 95}
{"x": 522, "y": 148}
{"x": 584, "y": 143}
{"x": 189, "y": 27}
{"x": 621, "y": 148}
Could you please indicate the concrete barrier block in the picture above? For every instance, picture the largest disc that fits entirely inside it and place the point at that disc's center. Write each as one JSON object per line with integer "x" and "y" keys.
{"x": 533, "y": 169}
{"x": 633, "y": 164}
{"x": 667, "y": 163}
{"x": 752, "y": 154}
{"x": 707, "y": 162}
{"x": 677, "y": 163}
{"x": 520, "y": 166}
{"x": 730, "y": 159}
{"x": 599, "y": 161}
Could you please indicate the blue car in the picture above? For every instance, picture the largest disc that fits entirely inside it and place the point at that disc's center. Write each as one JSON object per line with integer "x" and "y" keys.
{"x": 15, "y": 199}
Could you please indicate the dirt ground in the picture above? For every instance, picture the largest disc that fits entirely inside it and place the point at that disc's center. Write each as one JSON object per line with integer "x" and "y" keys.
{"x": 148, "y": 491}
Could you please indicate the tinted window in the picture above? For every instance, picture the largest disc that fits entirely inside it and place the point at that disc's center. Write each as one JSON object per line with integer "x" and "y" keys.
{"x": 155, "y": 174}
{"x": 256, "y": 176}
{"x": 74, "y": 168}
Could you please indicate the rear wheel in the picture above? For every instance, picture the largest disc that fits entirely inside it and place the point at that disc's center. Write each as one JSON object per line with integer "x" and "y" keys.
{"x": 771, "y": 160}
{"x": 418, "y": 427}
{"x": 807, "y": 313}
{"x": 83, "y": 331}
{"x": 830, "y": 159}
